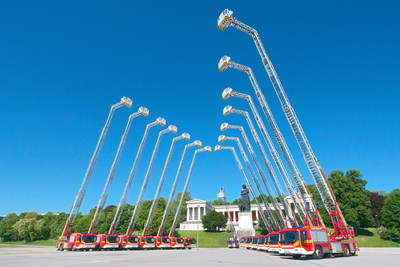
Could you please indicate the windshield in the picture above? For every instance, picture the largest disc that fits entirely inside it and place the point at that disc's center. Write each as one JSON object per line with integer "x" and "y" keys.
{"x": 273, "y": 239}
{"x": 113, "y": 239}
{"x": 150, "y": 240}
{"x": 288, "y": 237}
{"x": 231, "y": 242}
{"x": 133, "y": 239}
{"x": 165, "y": 240}
{"x": 241, "y": 240}
{"x": 248, "y": 240}
{"x": 255, "y": 240}
{"x": 179, "y": 240}
{"x": 261, "y": 240}
{"x": 88, "y": 238}
{"x": 191, "y": 241}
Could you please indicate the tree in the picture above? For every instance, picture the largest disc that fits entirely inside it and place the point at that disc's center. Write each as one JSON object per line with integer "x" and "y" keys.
{"x": 218, "y": 202}
{"x": 377, "y": 200}
{"x": 391, "y": 215}
{"x": 214, "y": 221}
{"x": 7, "y": 232}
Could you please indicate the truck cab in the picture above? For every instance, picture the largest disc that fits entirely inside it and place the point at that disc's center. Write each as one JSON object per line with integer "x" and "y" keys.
{"x": 177, "y": 242}
{"x": 163, "y": 242}
{"x": 273, "y": 240}
{"x": 233, "y": 243}
{"x": 242, "y": 241}
{"x": 261, "y": 242}
{"x": 107, "y": 242}
{"x": 254, "y": 242}
{"x": 128, "y": 242}
{"x": 81, "y": 241}
{"x": 248, "y": 242}
{"x": 190, "y": 242}
{"x": 147, "y": 242}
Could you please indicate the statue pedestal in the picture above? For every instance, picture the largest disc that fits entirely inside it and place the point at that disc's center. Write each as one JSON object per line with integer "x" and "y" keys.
{"x": 245, "y": 224}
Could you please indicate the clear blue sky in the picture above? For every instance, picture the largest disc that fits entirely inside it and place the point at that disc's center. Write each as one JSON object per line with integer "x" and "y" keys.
{"x": 64, "y": 63}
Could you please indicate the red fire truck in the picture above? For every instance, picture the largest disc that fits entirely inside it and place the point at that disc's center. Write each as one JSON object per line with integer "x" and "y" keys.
{"x": 107, "y": 242}
{"x": 233, "y": 243}
{"x": 313, "y": 241}
{"x": 273, "y": 239}
{"x": 128, "y": 242}
{"x": 147, "y": 242}
{"x": 190, "y": 242}
{"x": 163, "y": 242}
{"x": 242, "y": 241}
{"x": 177, "y": 242}
{"x": 78, "y": 241}
{"x": 262, "y": 244}
{"x": 254, "y": 243}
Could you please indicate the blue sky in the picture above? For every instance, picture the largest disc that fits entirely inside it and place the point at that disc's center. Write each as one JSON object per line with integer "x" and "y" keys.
{"x": 64, "y": 63}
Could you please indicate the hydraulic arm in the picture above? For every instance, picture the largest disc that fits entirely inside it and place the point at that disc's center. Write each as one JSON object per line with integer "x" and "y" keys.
{"x": 103, "y": 198}
{"x": 139, "y": 202}
{"x": 274, "y": 222}
{"x": 267, "y": 224}
{"x": 125, "y": 101}
{"x": 122, "y": 202}
{"x": 173, "y": 189}
{"x": 178, "y": 211}
{"x": 184, "y": 136}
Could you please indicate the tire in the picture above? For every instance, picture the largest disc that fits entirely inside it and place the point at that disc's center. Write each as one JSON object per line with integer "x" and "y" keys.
{"x": 318, "y": 253}
{"x": 296, "y": 257}
{"x": 346, "y": 251}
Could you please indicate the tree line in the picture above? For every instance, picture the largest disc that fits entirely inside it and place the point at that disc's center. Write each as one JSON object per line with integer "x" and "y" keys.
{"x": 31, "y": 226}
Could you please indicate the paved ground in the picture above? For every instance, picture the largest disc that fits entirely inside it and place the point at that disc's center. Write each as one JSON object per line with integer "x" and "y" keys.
{"x": 45, "y": 256}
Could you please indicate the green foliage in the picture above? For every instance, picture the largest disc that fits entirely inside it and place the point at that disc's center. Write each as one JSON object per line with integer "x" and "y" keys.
{"x": 214, "y": 221}
{"x": 391, "y": 216}
{"x": 352, "y": 198}
{"x": 7, "y": 232}
{"x": 235, "y": 202}
{"x": 218, "y": 202}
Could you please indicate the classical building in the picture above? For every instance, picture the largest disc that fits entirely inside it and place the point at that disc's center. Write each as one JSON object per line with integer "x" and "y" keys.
{"x": 197, "y": 208}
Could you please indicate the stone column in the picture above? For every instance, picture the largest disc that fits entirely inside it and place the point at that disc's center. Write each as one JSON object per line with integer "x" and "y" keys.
{"x": 198, "y": 213}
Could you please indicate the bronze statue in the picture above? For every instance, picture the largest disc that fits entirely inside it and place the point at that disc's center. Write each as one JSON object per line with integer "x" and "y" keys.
{"x": 244, "y": 200}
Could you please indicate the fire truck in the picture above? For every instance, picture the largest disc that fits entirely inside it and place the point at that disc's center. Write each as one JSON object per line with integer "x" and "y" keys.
{"x": 242, "y": 241}
{"x": 273, "y": 239}
{"x": 107, "y": 242}
{"x": 79, "y": 241}
{"x": 163, "y": 242}
{"x": 128, "y": 242}
{"x": 262, "y": 244}
{"x": 233, "y": 243}
{"x": 147, "y": 242}
{"x": 190, "y": 242}
{"x": 177, "y": 242}
{"x": 248, "y": 243}
{"x": 313, "y": 241}
{"x": 254, "y": 242}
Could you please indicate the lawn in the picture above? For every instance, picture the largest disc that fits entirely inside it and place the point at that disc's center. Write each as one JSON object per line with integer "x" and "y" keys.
{"x": 49, "y": 242}
{"x": 208, "y": 239}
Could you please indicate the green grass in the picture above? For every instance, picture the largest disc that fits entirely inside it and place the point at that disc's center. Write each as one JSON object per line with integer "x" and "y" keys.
{"x": 209, "y": 239}
{"x": 49, "y": 242}
{"x": 374, "y": 240}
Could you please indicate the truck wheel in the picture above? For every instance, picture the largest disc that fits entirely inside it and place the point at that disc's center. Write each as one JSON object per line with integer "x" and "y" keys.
{"x": 318, "y": 253}
{"x": 346, "y": 251}
{"x": 296, "y": 257}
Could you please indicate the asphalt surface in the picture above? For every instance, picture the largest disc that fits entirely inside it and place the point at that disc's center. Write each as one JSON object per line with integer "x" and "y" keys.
{"x": 45, "y": 256}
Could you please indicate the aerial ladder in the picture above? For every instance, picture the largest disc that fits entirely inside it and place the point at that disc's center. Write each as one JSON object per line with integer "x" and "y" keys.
{"x": 103, "y": 198}
{"x": 125, "y": 101}
{"x": 139, "y": 201}
{"x": 226, "y": 62}
{"x": 260, "y": 210}
{"x": 342, "y": 231}
{"x": 196, "y": 143}
{"x": 178, "y": 211}
{"x": 184, "y": 136}
{"x": 122, "y": 202}
{"x": 285, "y": 223}
{"x": 305, "y": 195}
{"x": 274, "y": 225}
{"x": 228, "y": 110}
